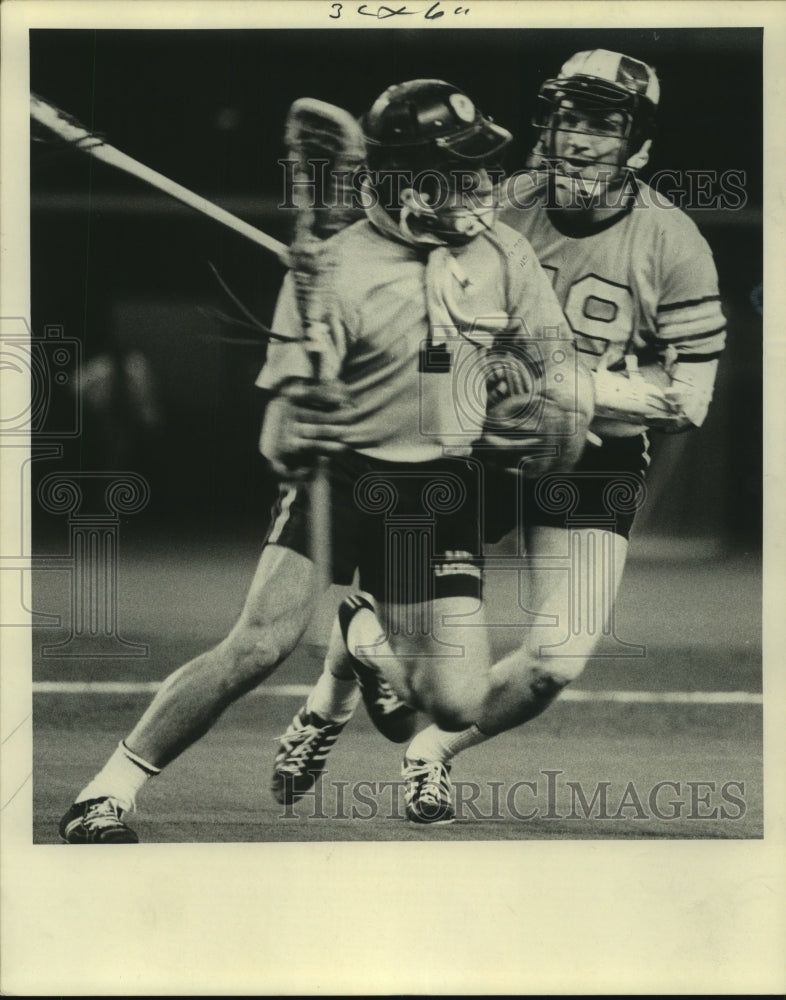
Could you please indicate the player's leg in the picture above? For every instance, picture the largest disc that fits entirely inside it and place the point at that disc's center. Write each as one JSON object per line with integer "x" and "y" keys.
{"x": 303, "y": 748}
{"x": 579, "y": 601}
{"x": 276, "y": 611}
{"x": 415, "y": 652}
{"x": 431, "y": 643}
{"x": 523, "y": 684}
{"x": 423, "y": 569}
{"x": 345, "y": 678}
{"x": 275, "y": 614}
{"x": 430, "y": 667}
{"x": 428, "y": 582}
{"x": 439, "y": 657}
{"x": 442, "y": 667}
{"x": 574, "y": 577}
{"x": 434, "y": 662}
{"x": 419, "y": 656}
{"x": 335, "y": 695}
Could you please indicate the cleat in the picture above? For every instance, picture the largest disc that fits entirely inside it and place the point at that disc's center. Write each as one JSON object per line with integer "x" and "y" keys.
{"x": 391, "y": 716}
{"x": 301, "y": 755}
{"x": 428, "y": 792}
{"x": 96, "y": 821}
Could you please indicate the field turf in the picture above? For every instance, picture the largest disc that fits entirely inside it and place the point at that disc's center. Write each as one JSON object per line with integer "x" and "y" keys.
{"x": 657, "y": 769}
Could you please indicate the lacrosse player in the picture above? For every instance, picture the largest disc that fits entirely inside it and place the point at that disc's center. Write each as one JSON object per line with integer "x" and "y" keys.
{"x": 427, "y": 256}
{"x": 638, "y": 285}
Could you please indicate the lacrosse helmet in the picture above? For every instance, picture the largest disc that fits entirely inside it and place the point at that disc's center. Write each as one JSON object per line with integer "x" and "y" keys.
{"x": 599, "y": 82}
{"x": 432, "y": 134}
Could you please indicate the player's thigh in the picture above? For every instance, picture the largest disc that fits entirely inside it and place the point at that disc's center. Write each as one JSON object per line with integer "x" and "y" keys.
{"x": 278, "y": 606}
{"x": 572, "y": 587}
{"x": 442, "y": 652}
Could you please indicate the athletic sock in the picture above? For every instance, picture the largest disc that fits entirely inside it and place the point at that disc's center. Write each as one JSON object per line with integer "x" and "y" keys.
{"x": 120, "y": 778}
{"x": 333, "y": 699}
{"x": 433, "y": 743}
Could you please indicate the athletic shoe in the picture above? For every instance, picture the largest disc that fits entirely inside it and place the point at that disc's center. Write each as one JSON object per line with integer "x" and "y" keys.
{"x": 96, "y": 821}
{"x": 301, "y": 755}
{"x": 428, "y": 792}
{"x": 392, "y": 717}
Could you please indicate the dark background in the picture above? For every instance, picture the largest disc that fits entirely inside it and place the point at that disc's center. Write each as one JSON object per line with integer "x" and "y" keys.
{"x": 124, "y": 269}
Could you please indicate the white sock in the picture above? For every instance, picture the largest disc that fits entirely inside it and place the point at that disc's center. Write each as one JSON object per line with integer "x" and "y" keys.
{"x": 433, "y": 743}
{"x": 120, "y": 778}
{"x": 332, "y": 698}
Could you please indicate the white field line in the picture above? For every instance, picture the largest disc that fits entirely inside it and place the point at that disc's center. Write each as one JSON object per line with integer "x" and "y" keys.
{"x": 301, "y": 690}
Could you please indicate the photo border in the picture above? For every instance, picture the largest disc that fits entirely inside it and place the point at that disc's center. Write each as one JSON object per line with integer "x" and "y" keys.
{"x": 515, "y": 917}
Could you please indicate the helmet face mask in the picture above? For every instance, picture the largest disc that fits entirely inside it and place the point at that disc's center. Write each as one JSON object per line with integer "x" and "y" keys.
{"x": 588, "y": 144}
{"x": 438, "y": 143}
{"x": 597, "y": 118}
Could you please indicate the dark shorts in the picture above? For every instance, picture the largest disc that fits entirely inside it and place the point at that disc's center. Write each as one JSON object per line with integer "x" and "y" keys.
{"x": 604, "y": 490}
{"x": 412, "y": 530}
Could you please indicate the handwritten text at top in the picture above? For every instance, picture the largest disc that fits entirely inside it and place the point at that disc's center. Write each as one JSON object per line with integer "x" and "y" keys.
{"x": 382, "y": 12}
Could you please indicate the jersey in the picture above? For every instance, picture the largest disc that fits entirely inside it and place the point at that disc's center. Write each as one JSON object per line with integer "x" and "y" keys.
{"x": 411, "y": 327}
{"x": 640, "y": 284}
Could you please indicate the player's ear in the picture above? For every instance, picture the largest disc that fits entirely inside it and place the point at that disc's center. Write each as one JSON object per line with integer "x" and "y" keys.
{"x": 640, "y": 159}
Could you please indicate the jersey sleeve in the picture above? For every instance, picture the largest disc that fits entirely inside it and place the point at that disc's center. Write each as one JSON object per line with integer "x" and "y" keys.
{"x": 285, "y": 360}
{"x": 689, "y": 317}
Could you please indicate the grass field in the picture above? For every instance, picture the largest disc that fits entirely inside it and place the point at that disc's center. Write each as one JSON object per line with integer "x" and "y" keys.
{"x": 683, "y": 761}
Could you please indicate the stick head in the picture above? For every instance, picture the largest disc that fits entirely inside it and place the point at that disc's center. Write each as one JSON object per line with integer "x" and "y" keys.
{"x": 327, "y": 145}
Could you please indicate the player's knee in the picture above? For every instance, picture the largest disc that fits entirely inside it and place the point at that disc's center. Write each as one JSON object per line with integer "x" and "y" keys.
{"x": 540, "y": 680}
{"x": 530, "y": 693}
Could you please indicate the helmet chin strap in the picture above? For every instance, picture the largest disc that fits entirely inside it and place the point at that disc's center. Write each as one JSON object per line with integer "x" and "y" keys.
{"x": 413, "y": 212}
{"x": 411, "y": 228}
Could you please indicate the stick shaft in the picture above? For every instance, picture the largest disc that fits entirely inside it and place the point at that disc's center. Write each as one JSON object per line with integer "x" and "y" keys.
{"x": 314, "y": 129}
{"x": 320, "y": 521}
{"x": 92, "y": 145}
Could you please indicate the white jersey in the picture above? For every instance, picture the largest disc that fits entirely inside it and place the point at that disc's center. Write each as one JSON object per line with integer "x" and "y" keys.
{"x": 409, "y": 337}
{"x": 640, "y": 285}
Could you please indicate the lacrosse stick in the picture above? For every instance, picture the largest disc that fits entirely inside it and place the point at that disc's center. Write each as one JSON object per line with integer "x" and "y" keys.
{"x": 327, "y": 146}
{"x": 315, "y": 132}
{"x": 81, "y": 138}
